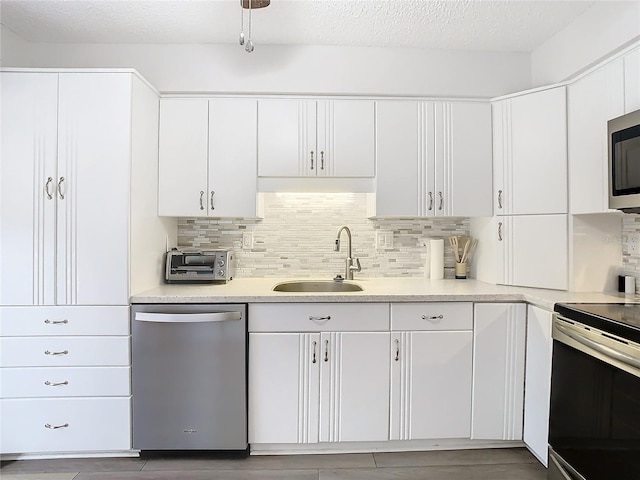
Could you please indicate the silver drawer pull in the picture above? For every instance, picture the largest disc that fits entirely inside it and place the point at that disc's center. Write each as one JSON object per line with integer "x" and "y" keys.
{"x": 326, "y": 350}
{"x": 397, "y": 350}
{"x": 64, "y": 352}
{"x": 432, "y": 317}
{"x": 55, "y": 384}
{"x": 314, "y": 352}
{"x": 46, "y": 188}
{"x": 55, "y": 427}
{"x": 319, "y": 319}
{"x": 56, "y": 322}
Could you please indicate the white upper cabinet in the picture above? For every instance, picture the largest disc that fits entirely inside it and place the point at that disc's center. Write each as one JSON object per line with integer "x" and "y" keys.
{"x": 632, "y": 81}
{"x": 323, "y": 138}
{"x": 592, "y": 101}
{"x": 208, "y": 163}
{"x": 433, "y": 158}
{"x": 65, "y": 188}
{"x": 530, "y": 153}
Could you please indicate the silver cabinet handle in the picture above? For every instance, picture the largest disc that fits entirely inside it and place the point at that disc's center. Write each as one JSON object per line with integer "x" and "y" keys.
{"x": 500, "y": 199}
{"x": 201, "y": 197}
{"x": 319, "y": 319}
{"x": 432, "y": 317}
{"x": 430, "y": 207}
{"x": 187, "y": 317}
{"x": 499, "y": 231}
{"x": 312, "y": 160}
{"x": 56, "y": 322}
{"x": 55, "y": 384}
{"x": 397, "y": 350}
{"x": 60, "y": 182}
{"x": 326, "y": 350}
{"x": 314, "y": 352}
{"x": 441, "y": 201}
{"x": 213, "y": 205}
{"x": 64, "y": 352}
{"x": 46, "y": 188}
{"x": 321, "y": 160}
{"x": 55, "y": 427}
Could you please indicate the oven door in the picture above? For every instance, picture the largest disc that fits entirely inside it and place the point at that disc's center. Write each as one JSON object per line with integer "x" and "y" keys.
{"x": 594, "y": 420}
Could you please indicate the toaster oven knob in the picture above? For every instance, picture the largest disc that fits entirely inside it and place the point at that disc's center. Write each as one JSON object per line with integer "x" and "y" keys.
{"x": 221, "y": 273}
{"x": 221, "y": 263}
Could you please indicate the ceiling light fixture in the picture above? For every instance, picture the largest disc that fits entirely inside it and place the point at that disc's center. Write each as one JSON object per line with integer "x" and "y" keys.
{"x": 249, "y": 5}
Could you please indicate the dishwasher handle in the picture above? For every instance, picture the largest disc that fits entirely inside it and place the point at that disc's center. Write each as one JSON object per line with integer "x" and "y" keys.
{"x": 187, "y": 317}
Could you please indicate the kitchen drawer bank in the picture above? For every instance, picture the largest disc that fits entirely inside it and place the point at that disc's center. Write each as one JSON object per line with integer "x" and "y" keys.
{"x": 376, "y": 376}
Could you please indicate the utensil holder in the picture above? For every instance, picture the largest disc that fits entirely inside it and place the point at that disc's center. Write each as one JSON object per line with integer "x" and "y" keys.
{"x": 461, "y": 270}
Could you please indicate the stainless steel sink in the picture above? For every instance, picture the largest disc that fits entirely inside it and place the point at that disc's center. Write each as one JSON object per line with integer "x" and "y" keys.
{"x": 317, "y": 286}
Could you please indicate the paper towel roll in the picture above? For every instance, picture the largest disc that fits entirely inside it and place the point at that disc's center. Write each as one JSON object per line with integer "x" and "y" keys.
{"x": 436, "y": 267}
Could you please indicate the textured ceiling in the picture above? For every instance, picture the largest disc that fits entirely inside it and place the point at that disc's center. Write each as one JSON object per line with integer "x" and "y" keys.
{"x": 481, "y": 25}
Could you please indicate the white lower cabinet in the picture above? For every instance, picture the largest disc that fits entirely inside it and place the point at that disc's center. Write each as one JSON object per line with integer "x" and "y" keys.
{"x": 37, "y": 425}
{"x": 431, "y": 371}
{"x": 538, "y": 381}
{"x": 499, "y": 331}
{"x": 318, "y": 386}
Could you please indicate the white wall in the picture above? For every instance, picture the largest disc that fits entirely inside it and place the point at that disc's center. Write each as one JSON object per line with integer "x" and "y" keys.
{"x": 298, "y": 69}
{"x": 599, "y": 31}
{"x": 13, "y": 49}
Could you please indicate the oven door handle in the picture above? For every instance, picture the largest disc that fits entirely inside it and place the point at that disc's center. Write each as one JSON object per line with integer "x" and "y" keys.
{"x": 562, "y": 468}
{"x": 598, "y": 347}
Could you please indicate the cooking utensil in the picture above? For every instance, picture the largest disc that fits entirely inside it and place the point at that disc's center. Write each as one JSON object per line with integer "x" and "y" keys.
{"x": 453, "y": 241}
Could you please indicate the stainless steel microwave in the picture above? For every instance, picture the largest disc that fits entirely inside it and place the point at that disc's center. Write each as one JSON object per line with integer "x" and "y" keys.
{"x": 624, "y": 162}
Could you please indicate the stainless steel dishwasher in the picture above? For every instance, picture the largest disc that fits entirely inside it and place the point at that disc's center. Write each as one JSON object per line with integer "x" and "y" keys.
{"x": 189, "y": 376}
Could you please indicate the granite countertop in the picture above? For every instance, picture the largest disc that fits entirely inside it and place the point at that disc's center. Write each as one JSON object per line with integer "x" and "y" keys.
{"x": 259, "y": 290}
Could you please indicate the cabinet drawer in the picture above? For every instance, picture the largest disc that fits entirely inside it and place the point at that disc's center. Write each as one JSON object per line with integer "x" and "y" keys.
{"x": 65, "y": 382}
{"x": 84, "y": 424}
{"x": 65, "y": 321}
{"x": 316, "y": 317}
{"x": 64, "y": 351}
{"x": 431, "y": 316}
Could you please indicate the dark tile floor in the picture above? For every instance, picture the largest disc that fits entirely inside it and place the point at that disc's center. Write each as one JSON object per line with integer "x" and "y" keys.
{"x": 494, "y": 464}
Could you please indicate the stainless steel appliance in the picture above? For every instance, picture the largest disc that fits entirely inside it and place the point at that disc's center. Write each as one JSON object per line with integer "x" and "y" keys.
{"x": 189, "y": 371}
{"x": 198, "y": 266}
{"x": 624, "y": 162}
{"x": 594, "y": 420}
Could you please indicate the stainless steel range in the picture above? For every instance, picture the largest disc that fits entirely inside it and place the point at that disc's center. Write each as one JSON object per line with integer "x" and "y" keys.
{"x": 594, "y": 421}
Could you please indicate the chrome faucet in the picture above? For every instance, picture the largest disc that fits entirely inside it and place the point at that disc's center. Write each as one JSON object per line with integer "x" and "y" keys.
{"x": 349, "y": 267}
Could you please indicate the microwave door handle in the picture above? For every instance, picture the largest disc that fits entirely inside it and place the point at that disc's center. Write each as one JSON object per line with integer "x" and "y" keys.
{"x": 598, "y": 347}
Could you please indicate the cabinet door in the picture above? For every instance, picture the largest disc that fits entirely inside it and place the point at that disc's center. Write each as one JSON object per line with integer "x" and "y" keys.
{"x": 287, "y": 138}
{"x": 183, "y": 157}
{"x": 537, "y": 381}
{"x": 232, "y": 158}
{"x": 632, "y": 81}
{"x": 346, "y": 138}
{"x": 498, "y": 371}
{"x": 94, "y": 167}
{"x": 284, "y": 377}
{"x": 431, "y": 385}
{"x": 463, "y": 172}
{"x": 397, "y": 158}
{"x": 28, "y": 179}
{"x": 354, "y": 387}
{"x": 501, "y": 129}
{"x": 539, "y": 152}
{"x": 538, "y": 251}
{"x": 592, "y": 101}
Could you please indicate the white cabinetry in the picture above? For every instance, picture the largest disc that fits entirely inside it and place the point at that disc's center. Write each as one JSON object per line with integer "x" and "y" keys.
{"x": 632, "y": 81}
{"x": 433, "y": 158}
{"x": 318, "y": 373}
{"x": 537, "y": 381}
{"x": 532, "y": 251}
{"x": 499, "y": 331}
{"x": 66, "y": 149}
{"x": 208, "y": 163}
{"x": 324, "y": 138}
{"x": 592, "y": 101}
{"x": 65, "y": 379}
{"x": 530, "y": 153}
{"x": 431, "y": 350}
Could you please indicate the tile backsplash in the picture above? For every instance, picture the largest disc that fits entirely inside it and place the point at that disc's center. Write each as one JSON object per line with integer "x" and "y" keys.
{"x": 631, "y": 257}
{"x": 297, "y": 235}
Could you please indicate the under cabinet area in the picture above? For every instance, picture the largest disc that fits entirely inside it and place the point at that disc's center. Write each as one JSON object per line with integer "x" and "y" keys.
{"x": 207, "y": 157}
{"x": 431, "y": 370}
{"x": 318, "y": 373}
{"x": 316, "y": 138}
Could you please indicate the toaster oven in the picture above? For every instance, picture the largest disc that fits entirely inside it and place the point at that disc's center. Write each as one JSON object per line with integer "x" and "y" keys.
{"x": 198, "y": 266}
